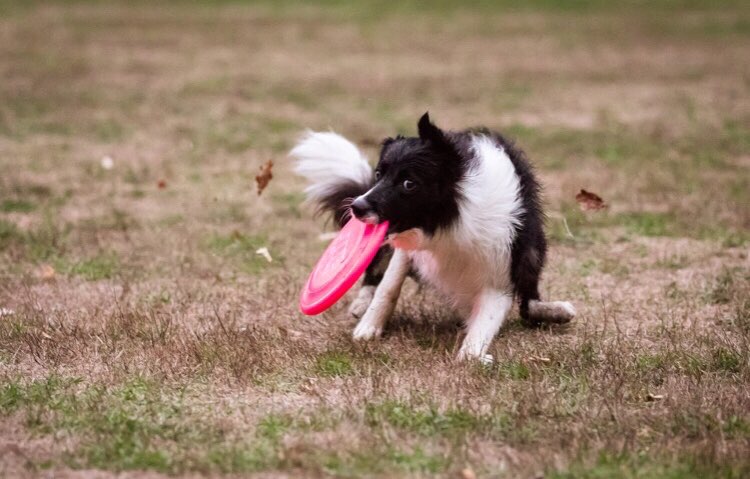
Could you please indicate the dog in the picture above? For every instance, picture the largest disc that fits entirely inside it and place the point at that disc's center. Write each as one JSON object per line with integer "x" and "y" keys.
{"x": 465, "y": 215}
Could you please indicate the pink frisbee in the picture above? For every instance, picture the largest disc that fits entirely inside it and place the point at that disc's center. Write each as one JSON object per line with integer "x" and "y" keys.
{"x": 341, "y": 265}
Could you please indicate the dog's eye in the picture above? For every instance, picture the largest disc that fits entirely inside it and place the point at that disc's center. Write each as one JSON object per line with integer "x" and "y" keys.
{"x": 377, "y": 175}
{"x": 409, "y": 185}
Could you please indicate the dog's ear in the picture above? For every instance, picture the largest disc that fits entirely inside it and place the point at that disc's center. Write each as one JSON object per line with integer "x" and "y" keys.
{"x": 428, "y": 130}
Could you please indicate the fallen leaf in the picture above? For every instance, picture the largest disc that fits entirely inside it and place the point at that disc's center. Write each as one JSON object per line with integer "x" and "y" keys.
{"x": 589, "y": 201}
{"x": 540, "y": 359}
{"x": 293, "y": 333}
{"x": 264, "y": 252}
{"x": 654, "y": 397}
{"x": 468, "y": 473}
{"x": 46, "y": 272}
{"x": 264, "y": 176}
{"x": 162, "y": 184}
{"x": 107, "y": 162}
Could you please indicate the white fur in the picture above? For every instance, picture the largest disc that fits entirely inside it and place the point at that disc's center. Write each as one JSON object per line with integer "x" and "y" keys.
{"x": 386, "y": 295}
{"x": 489, "y": 312}
{"x": 327, "y": 159}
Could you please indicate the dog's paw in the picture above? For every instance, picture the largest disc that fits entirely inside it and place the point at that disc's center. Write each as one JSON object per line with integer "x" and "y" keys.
{"x": 485, "y": 359}
{"x": 569, "y": 311}
{"x": 358, "y": 307}
{"x": 551, "y": 311}
{"x": 365, "y": 331}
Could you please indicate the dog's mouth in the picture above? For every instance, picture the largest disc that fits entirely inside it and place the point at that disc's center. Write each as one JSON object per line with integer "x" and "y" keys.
{"x": 370, "y": 219}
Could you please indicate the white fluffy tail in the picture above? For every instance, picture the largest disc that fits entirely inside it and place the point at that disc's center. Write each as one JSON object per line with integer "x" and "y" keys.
{"x": 330, "y": 163}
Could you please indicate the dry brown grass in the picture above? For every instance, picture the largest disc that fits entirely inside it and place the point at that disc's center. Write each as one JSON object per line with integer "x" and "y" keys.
{"x": 164, "y": 345}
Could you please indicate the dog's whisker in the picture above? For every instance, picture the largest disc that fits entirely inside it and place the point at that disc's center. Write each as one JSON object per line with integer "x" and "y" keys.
{"x": 347, "y": 215}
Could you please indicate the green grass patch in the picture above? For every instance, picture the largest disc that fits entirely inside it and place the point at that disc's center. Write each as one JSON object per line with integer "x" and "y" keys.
{"x": 727, "y": 361}
{"x": 513, "y": 369}
{"x": 241, "y": 248}
{"x": 138, "y": 425}
{"x": 726, "y": 286}
{"x": 288, "y": 204}
{"x": 609, "y": 466}
{"x": 108, "y": 131}
{"x": 737, "y": 427}
{"x": 379, "y": 461}
{"x": 334, "y": 364}
{"x": 102, "y": 266}
{"x": 17, "y": 206}
{"x": 9, "y": 235}
{"x": 45, "y": 241}
{"x": 649, "y": 363}
{"x": 648, "y": 223}
{"x": 426, "y": 421}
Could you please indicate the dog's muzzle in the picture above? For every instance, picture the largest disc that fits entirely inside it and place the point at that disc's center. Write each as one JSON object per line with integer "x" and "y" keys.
{"x": 364, "y": 211}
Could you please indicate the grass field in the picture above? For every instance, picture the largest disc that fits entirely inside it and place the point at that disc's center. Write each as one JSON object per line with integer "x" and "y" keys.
{"x": 141, "y": 332}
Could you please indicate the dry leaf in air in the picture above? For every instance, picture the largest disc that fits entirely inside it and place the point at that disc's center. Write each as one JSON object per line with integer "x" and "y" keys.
{"x": 264, "y": 176}
{"x": 589, "y": 201}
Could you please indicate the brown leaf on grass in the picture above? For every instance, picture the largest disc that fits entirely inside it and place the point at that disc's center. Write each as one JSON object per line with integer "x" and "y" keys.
{"x": 589, "y": 201}
{"x": 265, "y": 253}
{"x": 264, "y": 176}
{"x": 539, "y": 359}
{"x": 162, "y": 184}
{"x": 46, "y": 272}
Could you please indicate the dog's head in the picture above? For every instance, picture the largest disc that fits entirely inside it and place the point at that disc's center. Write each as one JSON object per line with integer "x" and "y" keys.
{"x": 415, "y": 182}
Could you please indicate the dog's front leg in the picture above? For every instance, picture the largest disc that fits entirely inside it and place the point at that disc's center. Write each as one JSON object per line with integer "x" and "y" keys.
{"x": 487, "y": 316}
{"x": 384, "y": 301}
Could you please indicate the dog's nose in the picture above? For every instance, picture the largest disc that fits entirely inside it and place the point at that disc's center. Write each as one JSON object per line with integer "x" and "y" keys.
{"x": 360, "y": 207}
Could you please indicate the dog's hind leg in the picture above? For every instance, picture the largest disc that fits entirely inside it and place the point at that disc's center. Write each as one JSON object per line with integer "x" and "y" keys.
{"x": 528, "y": 261}
{"x": 384, "y": 300}
{"x": 487, "y": 316}
{"x": 373, "y": 277}
{"x": 534, "y": 311}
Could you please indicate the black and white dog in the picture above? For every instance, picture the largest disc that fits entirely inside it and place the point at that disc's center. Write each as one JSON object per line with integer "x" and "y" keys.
{"x": 464, "y": 213}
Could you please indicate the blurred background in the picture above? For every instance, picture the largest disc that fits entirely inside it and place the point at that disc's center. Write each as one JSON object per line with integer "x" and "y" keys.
{"x": 130, "y": 224}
